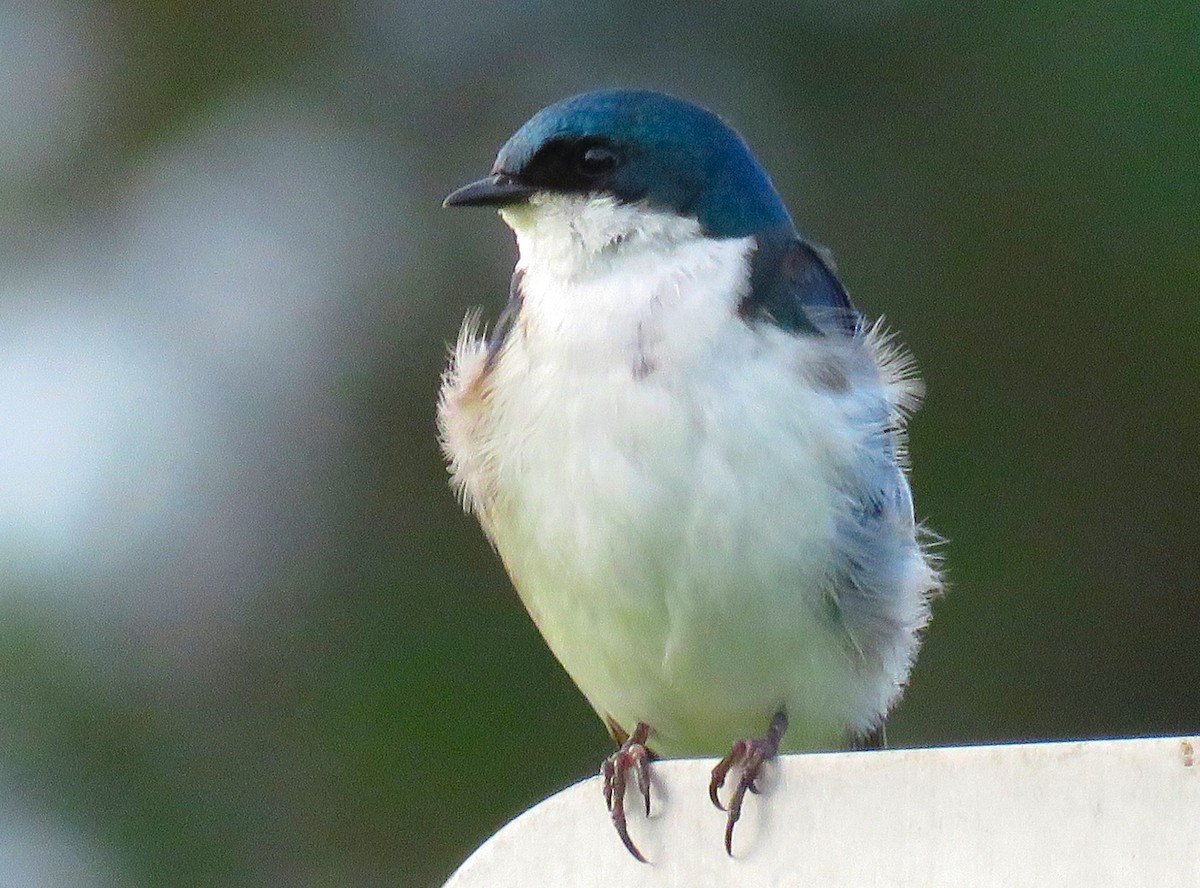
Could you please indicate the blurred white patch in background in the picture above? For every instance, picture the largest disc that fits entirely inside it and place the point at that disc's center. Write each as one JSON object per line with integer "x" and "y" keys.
{"x": 38, "y": 851}
{"x": 168, "y": 371}
{"x": 90, "y": 420}
{"x": 247, "y": 239}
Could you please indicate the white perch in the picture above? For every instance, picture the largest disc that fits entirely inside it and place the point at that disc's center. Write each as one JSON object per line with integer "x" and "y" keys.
{"x": 1076, "y": 815}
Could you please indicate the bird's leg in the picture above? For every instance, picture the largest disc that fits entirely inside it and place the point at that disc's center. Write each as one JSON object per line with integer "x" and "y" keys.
{"x": 750, "y": 755}
{"x": 877, "y": 739}
{"x": 631, "y": 756}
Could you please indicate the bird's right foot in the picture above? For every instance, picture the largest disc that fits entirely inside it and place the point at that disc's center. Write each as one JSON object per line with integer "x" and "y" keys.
{"x": 632, "y": 756}
{"x": 749, "y": 756}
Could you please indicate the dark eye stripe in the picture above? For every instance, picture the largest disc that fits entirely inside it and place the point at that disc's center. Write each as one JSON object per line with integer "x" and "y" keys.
{"x": 571, "y": 165}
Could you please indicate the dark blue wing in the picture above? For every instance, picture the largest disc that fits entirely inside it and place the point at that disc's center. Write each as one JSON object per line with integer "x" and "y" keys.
{"x": 506, "y": 321}
{"x": 794, "y": 287}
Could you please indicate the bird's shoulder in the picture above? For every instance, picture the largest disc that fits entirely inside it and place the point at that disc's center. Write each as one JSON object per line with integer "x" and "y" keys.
{"x": 793, "y": 286}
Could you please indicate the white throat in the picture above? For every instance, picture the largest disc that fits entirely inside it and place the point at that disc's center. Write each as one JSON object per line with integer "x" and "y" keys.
{"x": 600, "y": 276}
{"x": 582, "y": 234}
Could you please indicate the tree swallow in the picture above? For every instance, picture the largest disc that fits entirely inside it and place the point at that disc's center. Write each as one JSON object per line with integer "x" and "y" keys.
{"x": 687, "y": 446}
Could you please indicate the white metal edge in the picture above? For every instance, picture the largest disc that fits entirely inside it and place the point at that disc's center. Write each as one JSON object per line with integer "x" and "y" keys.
{"x": 1105, "y": 812}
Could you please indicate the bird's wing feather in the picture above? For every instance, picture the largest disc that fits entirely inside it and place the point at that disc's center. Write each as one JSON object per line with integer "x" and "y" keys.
{"x": 507, "y": 319}
{"x": 793, "y": 285}
{"x": 881, "y": 577}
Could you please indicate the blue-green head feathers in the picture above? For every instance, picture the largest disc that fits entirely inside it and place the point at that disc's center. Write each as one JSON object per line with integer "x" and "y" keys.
{"x": 651, "y": 148}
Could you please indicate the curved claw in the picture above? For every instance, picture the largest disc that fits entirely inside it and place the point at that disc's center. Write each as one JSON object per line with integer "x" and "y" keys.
{"x": 736, "y": 753}
{"x": 632, "y": 756}
{"x": 713, "y": 785}
{"x": 617, "y": 807}
{"x": 729, "y": 835}
{"x": 753, "y": 762}
{"x": 750, "y": 755}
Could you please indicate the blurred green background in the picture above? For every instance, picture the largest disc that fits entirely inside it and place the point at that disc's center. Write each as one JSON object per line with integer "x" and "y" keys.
{"x": 247, "y": 637}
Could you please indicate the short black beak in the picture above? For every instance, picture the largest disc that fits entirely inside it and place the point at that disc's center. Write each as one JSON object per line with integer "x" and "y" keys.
{"x": 497, "y": 190}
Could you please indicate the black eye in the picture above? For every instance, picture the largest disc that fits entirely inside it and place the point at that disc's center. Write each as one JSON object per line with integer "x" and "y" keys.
{"x": 595, "y": 161}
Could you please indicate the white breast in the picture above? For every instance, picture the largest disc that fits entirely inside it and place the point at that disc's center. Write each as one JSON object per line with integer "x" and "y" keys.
{"x": 662, "y": 481}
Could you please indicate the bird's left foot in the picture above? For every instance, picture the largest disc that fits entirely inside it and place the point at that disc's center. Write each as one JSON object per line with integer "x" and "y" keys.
{"x": 750, "y": 755}
{"x": 632, "y": 756}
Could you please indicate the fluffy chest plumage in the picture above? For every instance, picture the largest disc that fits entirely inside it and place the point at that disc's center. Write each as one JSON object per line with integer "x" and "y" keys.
{"x": 665, "y": 485}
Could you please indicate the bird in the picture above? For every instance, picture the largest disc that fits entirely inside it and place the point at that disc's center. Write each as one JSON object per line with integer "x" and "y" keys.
{"x": 688, "y": 448}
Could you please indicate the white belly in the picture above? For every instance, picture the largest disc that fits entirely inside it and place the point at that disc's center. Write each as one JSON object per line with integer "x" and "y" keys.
{"x": 676, "y": 561}
{"x": 672, "y": 538}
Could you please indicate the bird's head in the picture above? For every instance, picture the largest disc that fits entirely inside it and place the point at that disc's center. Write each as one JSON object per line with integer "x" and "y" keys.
{"x": 612, "y": 164}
